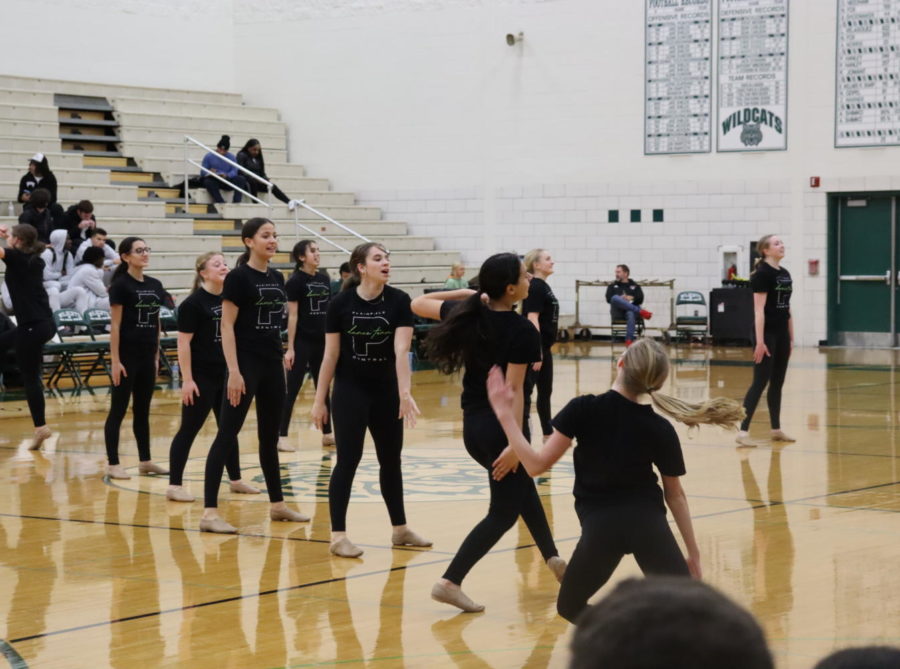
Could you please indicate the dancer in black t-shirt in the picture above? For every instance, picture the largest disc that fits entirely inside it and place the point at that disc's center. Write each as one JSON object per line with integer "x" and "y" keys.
{"x": 542, "y": 309}
{"x": 476, "y": 332}
{"x": 202, "y": 366}
{"x": 253, "y": 302}
{"x": 773, "y": 333}
{"x": 134, "y": 299}
{"x": 617, "y": 498}
{"x": 308, "y": 295}
{"x": 368, "y": 331}
{"x": 25, "y": 280}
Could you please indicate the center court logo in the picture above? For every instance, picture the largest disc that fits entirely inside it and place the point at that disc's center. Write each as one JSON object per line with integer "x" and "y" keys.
{"x": 429, "y": 475}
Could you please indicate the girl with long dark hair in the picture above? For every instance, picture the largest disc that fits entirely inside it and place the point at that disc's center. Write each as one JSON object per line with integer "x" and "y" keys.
{"x": 308, "y": 295}
{"x": 542, "y": 309}
{"x": 34, "y": 320}
{"x": 253, "y": 302}
{"x": 773, "y": 333}
{"x": 368, "y": 332}
{"x": 617, "y": 498}
{"x": 134, "y": 299}
{"x": 202, "y": 366}
{"x": 251, "y": 158}
{"x": 477, "y": 331}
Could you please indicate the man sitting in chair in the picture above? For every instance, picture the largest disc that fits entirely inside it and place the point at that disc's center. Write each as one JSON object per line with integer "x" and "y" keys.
{"x": 625, "y": 298}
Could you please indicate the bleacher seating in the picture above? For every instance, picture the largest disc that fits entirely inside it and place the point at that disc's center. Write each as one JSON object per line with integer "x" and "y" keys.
{"x": 122, "y": 147}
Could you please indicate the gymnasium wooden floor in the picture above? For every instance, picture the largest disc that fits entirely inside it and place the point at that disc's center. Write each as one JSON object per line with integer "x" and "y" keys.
{"x": 95, "y": 574}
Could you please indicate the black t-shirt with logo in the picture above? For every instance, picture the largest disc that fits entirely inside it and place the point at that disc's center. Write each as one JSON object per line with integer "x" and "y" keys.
{"x": 140, "y": 301}
{"x": 312, "y": 293}
{"x": 542, "y": 301}
{"x": 513, "y": 340}
{"x": 367, "y": 331}
{"x": 201, "y": 315}
{"x": 778, "y": 286}
{"x": 260, "y": 299}
{"x": 25, "y": 280}
{"x": 617, "y": 444}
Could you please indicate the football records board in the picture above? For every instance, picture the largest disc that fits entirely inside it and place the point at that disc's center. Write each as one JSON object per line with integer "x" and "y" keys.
{"x": 678, "y": 76}
{"x": 752, "y": 75}
{"x": 867, "y": 73}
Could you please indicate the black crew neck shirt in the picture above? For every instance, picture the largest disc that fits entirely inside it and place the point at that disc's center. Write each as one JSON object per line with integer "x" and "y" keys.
{"x": 140, "y": 301}
{"x": 260, "y": 299}
{"x": 617, "y": 444}
{"x": 513, "y": 340}
{"x": 201, "y": 315}
{"x": 25, "y": 280}
{"x": 778, "y": 286}
{"x": 312, "y": 293}
{"x": 367, "y": 332}
{"x": 542, "y": 301}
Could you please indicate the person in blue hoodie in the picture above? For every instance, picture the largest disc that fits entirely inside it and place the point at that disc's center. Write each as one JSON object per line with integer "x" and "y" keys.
{"x": 227, "y": 171}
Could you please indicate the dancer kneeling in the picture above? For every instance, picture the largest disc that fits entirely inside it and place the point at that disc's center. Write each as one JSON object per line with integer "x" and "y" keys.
{"x": 617, "y": 499}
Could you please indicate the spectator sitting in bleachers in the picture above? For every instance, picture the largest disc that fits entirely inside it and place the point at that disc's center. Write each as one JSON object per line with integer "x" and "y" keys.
{"x": 58, "y": 260}
{"x": 456, "y": 281}
{"x": 78, "y": 220}
{"x": 668, "y": 623}
{"x": 251, "y": 158}
{"x": 214, "y": 163}
{"x": 58, "y": 267}
{"x": 97, "y": 239}
{"x": 89, "y": 277}
{"x": 38, "y": 176}
{"x": 39, "y": 214}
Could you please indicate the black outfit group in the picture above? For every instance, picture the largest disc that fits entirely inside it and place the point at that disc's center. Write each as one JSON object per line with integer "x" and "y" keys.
{"x": 515, "y": 341}
{"x": 772, "y": 369}
{"x": 543, "y": 302}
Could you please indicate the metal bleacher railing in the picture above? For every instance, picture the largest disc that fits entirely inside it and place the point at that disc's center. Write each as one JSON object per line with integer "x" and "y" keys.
{"x": 300, "y": 203}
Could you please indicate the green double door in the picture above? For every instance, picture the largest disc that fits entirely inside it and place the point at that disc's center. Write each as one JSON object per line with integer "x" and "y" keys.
{"x": 865, "y": 286}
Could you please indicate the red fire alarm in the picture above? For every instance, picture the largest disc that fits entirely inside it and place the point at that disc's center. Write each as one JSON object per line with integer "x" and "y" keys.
{"x": 814, "y": 182}
{"x": 813, "y": 267}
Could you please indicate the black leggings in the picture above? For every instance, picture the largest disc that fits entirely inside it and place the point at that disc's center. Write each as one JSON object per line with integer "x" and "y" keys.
{"x": 771, "y": 371}
{"x": 263, "y": 379}
{"x": 28, "y": 341}
{"x": 543, "y": 379}
{"x": 256, "y": 188}
{"x": 513, "y": 496}
{"x": 607, "y": 534}
{"x": 359, "y": 405}
{"x": 308, "y": 357}
{"x": 212, "y": 393}
{"x": 140, "y": 367}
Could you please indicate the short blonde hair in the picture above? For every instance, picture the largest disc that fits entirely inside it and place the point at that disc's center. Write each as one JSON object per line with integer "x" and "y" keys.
{"x": 646, "y": 367}
{"x": 200, "y": 265}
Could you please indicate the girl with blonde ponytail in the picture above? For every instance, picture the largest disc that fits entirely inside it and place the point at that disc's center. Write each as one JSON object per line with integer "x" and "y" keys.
{"x": 617, "y": 497}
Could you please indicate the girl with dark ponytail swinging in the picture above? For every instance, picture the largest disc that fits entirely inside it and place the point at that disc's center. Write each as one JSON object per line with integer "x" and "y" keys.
{"x": 252, "y": 313}
{"x": 308, "y": 295}
{"x": 25, "y": 280}
{"x": 617, "y": 498}
{"x": 477, "y": 331}
{"x": 202, "y": 366}
{"x": 368, "y": 332}
{"x": 134, "y": 300}
{"x": 773, "y": 333}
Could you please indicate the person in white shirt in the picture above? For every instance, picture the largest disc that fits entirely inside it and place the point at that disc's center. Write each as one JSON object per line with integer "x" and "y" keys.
{"x": 98, "y": 239}
{"x": 88, "y": 277}
{"x": 58, "y": 267}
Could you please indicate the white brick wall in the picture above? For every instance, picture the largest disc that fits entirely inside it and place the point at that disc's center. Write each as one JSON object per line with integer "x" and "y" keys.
{"x": 699, "y": 217}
